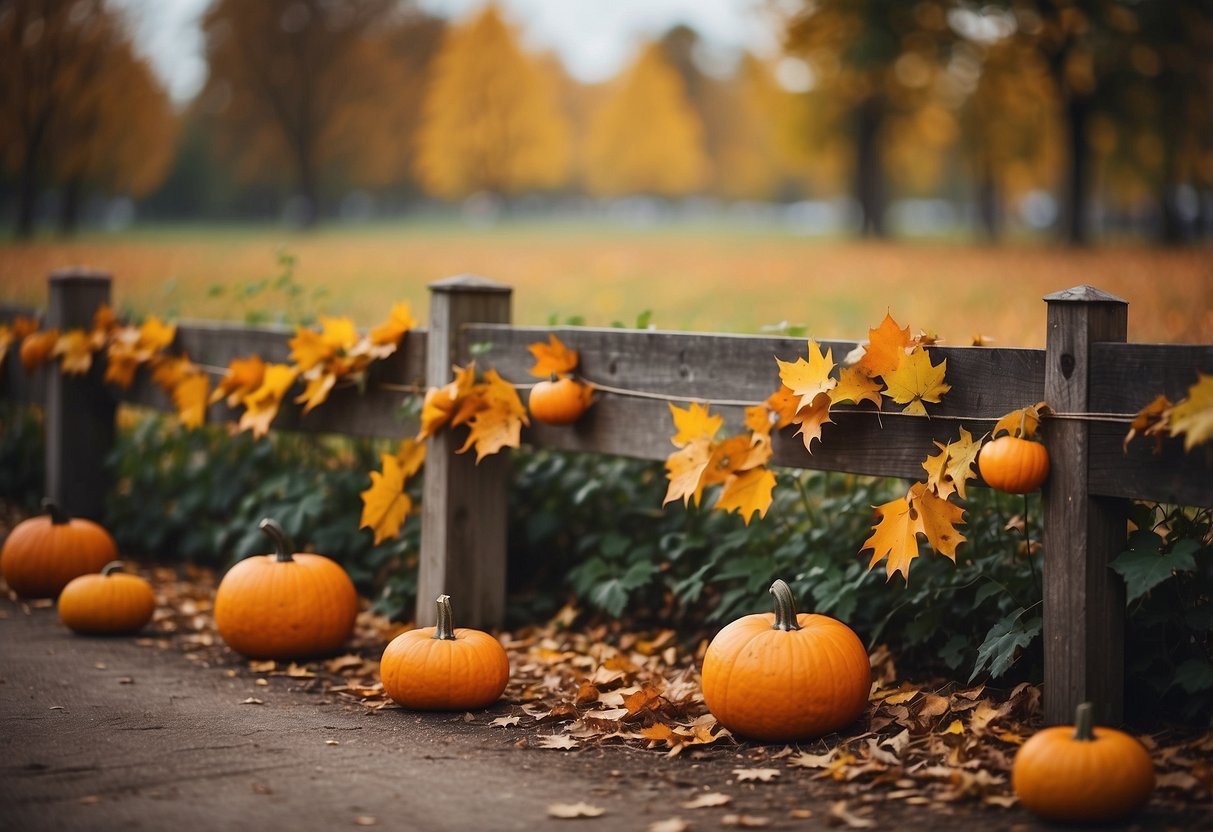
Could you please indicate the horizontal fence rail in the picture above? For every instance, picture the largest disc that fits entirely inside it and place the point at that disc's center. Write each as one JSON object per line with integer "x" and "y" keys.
{"x": 638, "y": 374}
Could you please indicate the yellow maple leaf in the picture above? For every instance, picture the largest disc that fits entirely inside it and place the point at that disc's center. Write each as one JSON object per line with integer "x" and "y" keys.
{"x": 317, "y": 389}
{"x": 104, "y": 318}
{"x": 309, "y": 349}
{"x": 886, "y": 347}
{"x": 937, "y": 518}
{"x": 747, "y": 493}
{"x": 552, "y": 358}
{"x": 385, "y": 504}
{"x": 37, "y": 347}
{"x": 855, "y": 386}
{"x": 895, "y": 536}
{"x": 812, "y": 418}
{"x": 411, "y": 455}
{"x": 806, "y": 379}
{"x": 190, "y": 395}
{"x": 74, "y": 350}
{"x": 261, "y": 405}
{"x": 1193, "y": 417}
{"x": 338, "y": 333}
{"x": 760, "y": 419}
{"x": 1022, "y": 423}
{"x": 727, "y": 457}
{"x": 436, "y": 410}
{"x": 400, "y": 320}
{"x": 916, "y": 381}
{"x": 155, "y": 335}
{"x": 694, "y": 423}
{"x": 684, "y": 470}
{"x": 243, "y": 376}
{"x": 496, "y": 392}
{"x": 949, "y": 471}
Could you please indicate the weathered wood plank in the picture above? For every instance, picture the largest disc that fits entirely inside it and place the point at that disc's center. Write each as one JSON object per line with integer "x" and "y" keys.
{"x": 463, "y": 506}
{"x": 1127, "y": 377}
{"x": 986, "y": 382}
{"x": 1169, "y": 476}
{"x": 1083, "y": 599}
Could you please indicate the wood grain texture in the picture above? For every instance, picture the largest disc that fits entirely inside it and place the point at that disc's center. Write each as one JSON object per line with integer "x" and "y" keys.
{"x": 1083, "y": 604}
{"x": 79, "y": 408}
{"x": 463, "y": 506}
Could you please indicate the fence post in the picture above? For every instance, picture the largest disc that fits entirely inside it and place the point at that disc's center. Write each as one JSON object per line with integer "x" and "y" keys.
{"x": 463, "y": 507}
{"x": 79, "y": 410}
{"x": 1084, "y": 601}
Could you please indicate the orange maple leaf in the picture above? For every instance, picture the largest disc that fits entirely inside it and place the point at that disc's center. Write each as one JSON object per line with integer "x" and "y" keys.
{"x": 6, "y": 340}
{"x": 37, "y": 347}
{"x": 1152, "y": 420}
{"x": 937, "y": 519}
{"x": 1021, "y": 423}
{"x": 494, "y": 427}
{"x": 812, "y": 418}
{"x": 855, "y": 386}
{"x": 243, "y": 376}
{"x": 887, "y": 345}
{"x": 916, "y": 381}
{"x": 411, "y": 455}
{"x": 807, "y": 379}
{"x": 552, "y": 358}
{"x": 400, "y": 320}
{"x": 385, "y": 504}
{"x": 74, "y": 350}
{"x": 685, "y": 469}
{"x": 436, "y": 411}
{"x": 949, "y": 471}
{"x": 728, "y": 457}
{"x": 261, "y": 405}
{"x": 747, "y": 493}
{"x": 895, "y": 536}
{"x": 23, "y": 325}
{"x": 694, "y": 423}
{"x": 104, "y": 318}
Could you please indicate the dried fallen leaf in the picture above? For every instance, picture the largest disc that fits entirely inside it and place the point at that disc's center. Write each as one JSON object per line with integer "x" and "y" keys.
{"x": 574, "y": 810}
{"x": 670, "y": 825}
{"x": 745, "y": 821}
{"x": 559, "y": 742}
{"x": 839, "y": 813}
{"x": 366, "y": 820}
{"x": 252, "y": 700}
{"x": 506, "y": 721}
{"x": 761, "y": 775}
{"x": 707, "y": 800}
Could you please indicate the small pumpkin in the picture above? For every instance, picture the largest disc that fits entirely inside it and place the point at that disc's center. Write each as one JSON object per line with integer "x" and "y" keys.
{"x": 1082, "y": 773}
{"x": 110, "y": 603}
{"x": 285, "y": 605}
{"x": 782, "y": 677}
{"x": 559, "y": 400}
{"x": 42, "y": 554}
{"x": 440, "y": 668}
{"x": 1013, "y": 465}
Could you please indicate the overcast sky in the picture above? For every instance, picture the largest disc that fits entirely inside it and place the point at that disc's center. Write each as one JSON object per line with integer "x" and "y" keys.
{"x": 595, "y": 38}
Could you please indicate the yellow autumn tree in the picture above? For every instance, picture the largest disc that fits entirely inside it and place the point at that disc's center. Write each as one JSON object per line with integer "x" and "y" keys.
{"x": 491, "y": 119}
{"x": 645, "y": 138}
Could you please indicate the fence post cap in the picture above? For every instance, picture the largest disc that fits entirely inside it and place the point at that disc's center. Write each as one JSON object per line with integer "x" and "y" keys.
{"x": 1083, "y": 294}
{"x": 469, "y": 283}
{"x": 79, "y": 274}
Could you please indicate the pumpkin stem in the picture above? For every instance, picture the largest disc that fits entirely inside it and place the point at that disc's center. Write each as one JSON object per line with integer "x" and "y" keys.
{"x": 58, "y": 516}
{"x": 785, "y": 607}
{"x": 111, "y": 567}
{"x": 282, "y": 544}
{"x": 1084, "y": 716}
{"x": 553, "y": 377}
{"x": 445, "y": 630}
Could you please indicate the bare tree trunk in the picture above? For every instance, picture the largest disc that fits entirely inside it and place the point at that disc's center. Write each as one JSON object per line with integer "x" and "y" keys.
{"x": 1077, "y": 201}
{"x": 988, "y": 202}
{"x": 869, "y": 167}
{"x": 69, "y": 211}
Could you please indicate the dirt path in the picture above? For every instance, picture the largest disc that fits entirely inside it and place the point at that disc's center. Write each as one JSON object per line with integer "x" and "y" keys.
{"x": 103, "y": 734}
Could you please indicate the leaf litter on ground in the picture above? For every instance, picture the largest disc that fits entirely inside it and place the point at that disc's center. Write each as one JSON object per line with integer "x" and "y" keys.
{"x": 928, "y": 742}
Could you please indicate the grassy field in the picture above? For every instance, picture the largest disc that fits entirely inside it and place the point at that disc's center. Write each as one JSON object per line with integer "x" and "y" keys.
{"x": 709, "y": 278}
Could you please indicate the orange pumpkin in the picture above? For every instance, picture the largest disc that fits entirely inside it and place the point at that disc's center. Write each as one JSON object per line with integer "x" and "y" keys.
{"x": 1013, "y": 465}
{"x": 112, "y": 602}
{"x": 559, "y": 401}
{"x": 782, "y": 677}
{"x": 443, "y": 669}
{"x": 285, "y": 605}
{"x": 43, "y": 553}
{"x": 1082, "y": 773}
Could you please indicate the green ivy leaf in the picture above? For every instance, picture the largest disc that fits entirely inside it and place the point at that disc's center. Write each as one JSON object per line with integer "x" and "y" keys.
{"x": 1195, "y": 675}
{"x": 1144, "y": 566}
{"x": 1010, "y": 634}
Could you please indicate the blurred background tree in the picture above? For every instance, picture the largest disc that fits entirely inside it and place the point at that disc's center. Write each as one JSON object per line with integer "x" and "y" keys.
{"x": 1080, "y": 118}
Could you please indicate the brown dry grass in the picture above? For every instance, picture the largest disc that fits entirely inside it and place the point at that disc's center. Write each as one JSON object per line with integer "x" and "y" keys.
{"x": 707, "y": 279}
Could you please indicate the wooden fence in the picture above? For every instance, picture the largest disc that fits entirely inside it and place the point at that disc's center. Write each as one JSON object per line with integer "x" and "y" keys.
{"x": 1087, "y": 373}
